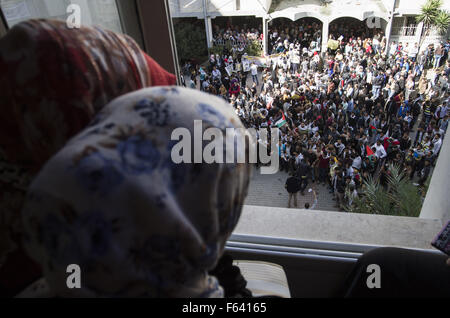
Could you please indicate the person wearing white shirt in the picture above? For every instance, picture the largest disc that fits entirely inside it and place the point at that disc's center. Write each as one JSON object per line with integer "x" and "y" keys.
{"x": 393, "y": 48}
{"x": 282, "y": 79}
{"x": 441, "y": 111}
{"x": 408, "y": 118}
{"x": 299, "y": 159}
{"x": 205, "y": 84}
{"x": 376, "y": 44}
{"x": 437, "y": 143}
{"x": 348, "y": 49}
{"x": 254, "y": 71}
{"x": 357, "y": 163}
{"x": 380, "y": 152}
{"x": 286, "y": 106}
{"x": 216, "y": 74}
{"x": 305, "y": 65}
{"x": 412, "y": 52}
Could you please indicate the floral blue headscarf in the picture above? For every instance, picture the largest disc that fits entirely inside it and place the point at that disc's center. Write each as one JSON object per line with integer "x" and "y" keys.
{"x": 114, "y": 202}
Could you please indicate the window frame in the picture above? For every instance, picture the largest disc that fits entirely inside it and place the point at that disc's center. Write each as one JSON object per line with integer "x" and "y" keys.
{"x": 131, "y": 24}
{"x": 155, "y": 15}
{"x": 3, "y": 24}
{"x": 139, "y": 18}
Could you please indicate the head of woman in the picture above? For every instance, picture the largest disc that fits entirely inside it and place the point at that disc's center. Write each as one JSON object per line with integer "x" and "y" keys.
{"x": 124, "y": 201}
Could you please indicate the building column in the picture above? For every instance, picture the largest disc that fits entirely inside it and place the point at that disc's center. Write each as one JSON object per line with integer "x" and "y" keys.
{"x": 325, "y": 29}
{"x": 208, "y": 27}
{"x": 209, "y": 31}
{"x": 388, "y": 32}
{"x": 265, "y": 36}
{"x": 418, "y": 34}
{"x": 437, "y": 200}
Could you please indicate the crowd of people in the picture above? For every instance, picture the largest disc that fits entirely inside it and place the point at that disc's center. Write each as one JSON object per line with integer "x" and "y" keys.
{"x": 345, "y": 114}
{"x": 236, "y": 35}
{"x": 305, "y": 33}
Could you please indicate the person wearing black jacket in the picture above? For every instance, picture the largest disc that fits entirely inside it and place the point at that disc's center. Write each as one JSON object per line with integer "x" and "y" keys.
{"x": 340, "y": 189}
{"x": 303, "y": 173}
{"x": 405, "y": 142}
{"x": 425, "y": 172}
{"x": 415, "y": 110}
{"x": 292, "y": 186}
{"x": 361, "y": 122}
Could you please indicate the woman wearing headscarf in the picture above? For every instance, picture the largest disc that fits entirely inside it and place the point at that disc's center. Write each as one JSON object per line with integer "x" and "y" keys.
{"x": 54, "y": 81}
{"x": 114, "y": 202}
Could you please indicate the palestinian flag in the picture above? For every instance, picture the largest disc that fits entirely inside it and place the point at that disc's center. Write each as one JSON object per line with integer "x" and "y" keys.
{"x": 370, "y": 153}
{"x": 280, "y": 123}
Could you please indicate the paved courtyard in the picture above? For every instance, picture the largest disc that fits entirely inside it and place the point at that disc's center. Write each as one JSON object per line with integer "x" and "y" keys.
{"x": 268, "y": 190}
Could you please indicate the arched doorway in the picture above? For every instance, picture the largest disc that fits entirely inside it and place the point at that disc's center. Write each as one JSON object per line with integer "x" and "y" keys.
{"x": 350, "y": 27}
{"x": 236, "y": 23}
{"x": 303, "y": 31}
{"x": 240, "y": 32}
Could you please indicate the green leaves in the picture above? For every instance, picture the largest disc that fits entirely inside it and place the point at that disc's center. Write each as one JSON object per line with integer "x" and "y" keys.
{"x": 433, "y": 17}
{"x": 254, "y": 49}
{"x": 400, "y": 198}
{"x": 190, "y": 41}
{"x": 442, "y": 22}
{"x": 404, "y": 195}
{"x": 217, "y": 49}
{"x": 430, "y": 12}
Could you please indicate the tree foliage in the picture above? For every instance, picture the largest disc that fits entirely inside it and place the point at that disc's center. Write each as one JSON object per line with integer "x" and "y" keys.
{"x": 399, "y": 198}
{"x": 253, "y": 49}
{"x": 429, "y": 12}
{"x": 442, "y": 22}
{"x": 433, "y": 16}
{"x": 190, "y": 41}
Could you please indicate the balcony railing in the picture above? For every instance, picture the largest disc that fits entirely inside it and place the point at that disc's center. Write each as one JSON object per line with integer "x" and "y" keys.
{"x": 433, "y": 32}
{"x": 404, "y": 31}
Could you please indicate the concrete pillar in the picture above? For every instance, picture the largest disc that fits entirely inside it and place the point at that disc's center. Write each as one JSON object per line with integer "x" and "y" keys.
{"x": 325, "y": 29}
{"x": 3, "y": 29}
{"x": 437, "y": 200}
{"x": 208, "y": 28}
{"x": 419, "y": 30}
{"x": 265, "y": 36}
{"x": 388, "y": 30}
{"x": 209, "y": 32}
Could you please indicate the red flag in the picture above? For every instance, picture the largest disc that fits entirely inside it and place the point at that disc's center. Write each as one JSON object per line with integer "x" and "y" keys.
{"x": 369, "y": 151}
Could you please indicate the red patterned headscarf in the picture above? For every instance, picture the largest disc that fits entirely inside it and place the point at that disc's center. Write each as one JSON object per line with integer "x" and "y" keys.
{"x": 53, "y": 82}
